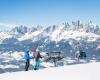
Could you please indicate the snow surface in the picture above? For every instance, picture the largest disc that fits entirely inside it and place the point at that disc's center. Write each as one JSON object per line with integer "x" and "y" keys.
{"x": 4, "y": 35}
{"x": 89, "y": 71}
{"x": 56, "y": 36}
{"x": 29, "y": 35}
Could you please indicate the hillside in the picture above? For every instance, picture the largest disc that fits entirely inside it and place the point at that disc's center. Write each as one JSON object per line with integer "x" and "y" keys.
{"x": 89, "y": 71}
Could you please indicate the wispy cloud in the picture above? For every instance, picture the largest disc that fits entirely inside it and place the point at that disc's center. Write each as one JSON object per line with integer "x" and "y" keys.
{"x": 6, "y": 27}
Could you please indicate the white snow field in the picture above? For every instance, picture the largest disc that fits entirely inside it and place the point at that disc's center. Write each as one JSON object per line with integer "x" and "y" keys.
{"x": 89, "y": 71}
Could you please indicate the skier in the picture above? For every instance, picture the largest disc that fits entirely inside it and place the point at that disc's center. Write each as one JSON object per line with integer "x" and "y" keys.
{"x": 37, "y": 57}
{"x": 27, "y": 60}
{"x": 77, "y": 55}
{"x": 80, "y": 54}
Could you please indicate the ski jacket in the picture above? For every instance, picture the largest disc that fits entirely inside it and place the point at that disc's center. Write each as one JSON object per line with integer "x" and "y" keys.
{"x": 26, "y": 55}
{"x": 37, "y": 55}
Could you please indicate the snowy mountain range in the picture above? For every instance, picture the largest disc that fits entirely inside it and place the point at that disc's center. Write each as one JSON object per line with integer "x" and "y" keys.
{"x": 66, "y": 38}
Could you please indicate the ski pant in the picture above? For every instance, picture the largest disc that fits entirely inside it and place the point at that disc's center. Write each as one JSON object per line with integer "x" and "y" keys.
{"x": 27, "y": 63}
{"x": 37, "y": 64}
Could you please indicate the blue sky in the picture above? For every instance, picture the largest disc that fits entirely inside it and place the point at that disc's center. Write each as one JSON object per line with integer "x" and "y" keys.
{"x": 48, "y": 12}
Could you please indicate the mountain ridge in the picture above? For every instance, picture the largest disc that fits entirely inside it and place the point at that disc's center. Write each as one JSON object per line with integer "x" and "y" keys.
{"x": 64, "y": 37}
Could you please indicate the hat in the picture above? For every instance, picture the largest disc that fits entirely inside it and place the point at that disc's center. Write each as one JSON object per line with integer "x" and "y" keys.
{"x": 37, "y": 49}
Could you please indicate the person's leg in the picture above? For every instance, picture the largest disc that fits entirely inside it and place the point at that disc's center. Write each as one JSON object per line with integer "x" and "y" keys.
{"x": 37, "y": 64}
{"x": 27, "y": 63}
{"x": 35, "y": 68}
{"x": 26, "y": 66}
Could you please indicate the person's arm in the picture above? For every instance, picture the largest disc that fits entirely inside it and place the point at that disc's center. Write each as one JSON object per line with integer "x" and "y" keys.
{"x": 33, "y": 56}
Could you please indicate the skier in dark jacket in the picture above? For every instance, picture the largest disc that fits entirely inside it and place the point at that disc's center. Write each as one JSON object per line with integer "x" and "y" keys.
{"x": 27, "y": 60}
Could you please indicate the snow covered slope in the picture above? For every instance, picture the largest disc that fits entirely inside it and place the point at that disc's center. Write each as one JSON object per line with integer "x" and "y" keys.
{"x": 89, "y": 71}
